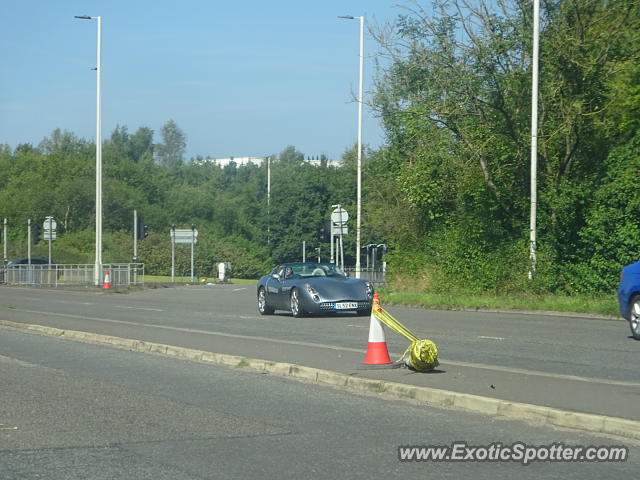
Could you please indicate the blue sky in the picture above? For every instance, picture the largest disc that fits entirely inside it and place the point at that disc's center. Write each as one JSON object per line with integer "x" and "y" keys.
{"x": 240, "y": 78}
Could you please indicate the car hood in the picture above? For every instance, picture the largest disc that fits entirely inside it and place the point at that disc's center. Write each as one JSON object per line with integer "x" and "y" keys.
{"x": 633, "y": 268}
{"x": 339, "y": 288}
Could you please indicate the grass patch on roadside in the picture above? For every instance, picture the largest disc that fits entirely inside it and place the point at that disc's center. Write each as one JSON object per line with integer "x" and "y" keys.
{"x": 243, "y": 363}
{"x": 243, "y": 281}
{"x": 600, "y": 305}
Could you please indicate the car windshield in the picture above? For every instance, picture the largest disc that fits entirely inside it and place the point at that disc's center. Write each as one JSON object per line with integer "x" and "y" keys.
{"x": 306, "y": 270}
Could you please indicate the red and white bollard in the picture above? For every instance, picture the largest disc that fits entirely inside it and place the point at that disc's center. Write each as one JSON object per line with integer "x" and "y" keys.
{"x": 107, "y": 280}
{"x": 377, "y": 352}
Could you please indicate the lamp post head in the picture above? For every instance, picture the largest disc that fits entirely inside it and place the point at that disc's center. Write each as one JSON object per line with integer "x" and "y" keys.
{"x": 83, "y": 17}
{"x": 348, "y": 17}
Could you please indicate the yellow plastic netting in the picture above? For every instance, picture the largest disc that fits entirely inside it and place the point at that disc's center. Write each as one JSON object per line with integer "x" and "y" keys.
{"x": 423, "y": 354}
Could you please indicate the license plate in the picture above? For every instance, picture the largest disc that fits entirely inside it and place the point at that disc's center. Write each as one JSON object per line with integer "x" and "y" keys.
{"x": 346, "y": 305}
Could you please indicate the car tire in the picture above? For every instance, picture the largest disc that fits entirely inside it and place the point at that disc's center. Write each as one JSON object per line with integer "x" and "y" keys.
{"x": 634, "y": 317}
{"x": 294, "y": 303}
{"x": 263, "y": 306}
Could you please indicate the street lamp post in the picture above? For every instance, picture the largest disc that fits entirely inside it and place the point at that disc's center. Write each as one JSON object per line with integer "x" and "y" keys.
{"x": 98, "y": 260}
{"x": 269, "y": 203}
{"x": 4, "y": 242}
{"x": 173, "y": 253}
{"x": 534, "y": 139}
{"x": 359, "y": 174}
{"x": 193, "y": 241}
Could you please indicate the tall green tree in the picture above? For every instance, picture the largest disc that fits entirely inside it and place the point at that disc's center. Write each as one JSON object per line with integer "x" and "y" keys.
{"x": 170, "y": 152}
{"x": 141, "y": 144}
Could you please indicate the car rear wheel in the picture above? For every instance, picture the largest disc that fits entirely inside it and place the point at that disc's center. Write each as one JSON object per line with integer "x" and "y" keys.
{"x": 634, "y": 317}
{"x": 294, "y": 302}
{"x": 263, "y": 307}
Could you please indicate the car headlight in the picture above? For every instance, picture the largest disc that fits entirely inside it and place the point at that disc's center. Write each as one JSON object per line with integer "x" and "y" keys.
{"x": 369, "y": 288}
{"x": 313, "y": 292}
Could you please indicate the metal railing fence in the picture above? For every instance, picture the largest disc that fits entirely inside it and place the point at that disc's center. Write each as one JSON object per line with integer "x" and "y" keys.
{"x": 377, "y": 277}
{"x": 120, "y": 274}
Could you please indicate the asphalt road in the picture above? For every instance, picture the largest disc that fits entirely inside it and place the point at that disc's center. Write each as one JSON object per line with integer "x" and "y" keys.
{"x": 572, "y": 363}
{"x": 71, "y": 410}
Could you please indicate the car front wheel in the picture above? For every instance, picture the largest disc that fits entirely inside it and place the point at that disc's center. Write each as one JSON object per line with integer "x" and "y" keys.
{"x": 263, "y": 307}
{"x": 294, "y": 301}
{"x": 634, "y": 317}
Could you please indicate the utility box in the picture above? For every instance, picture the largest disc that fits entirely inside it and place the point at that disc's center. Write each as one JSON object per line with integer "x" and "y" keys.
{"x": 224, "y": 270}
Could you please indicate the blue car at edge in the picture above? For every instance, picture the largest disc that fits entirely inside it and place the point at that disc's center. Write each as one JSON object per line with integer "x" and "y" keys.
{"x": 629, "y": 297}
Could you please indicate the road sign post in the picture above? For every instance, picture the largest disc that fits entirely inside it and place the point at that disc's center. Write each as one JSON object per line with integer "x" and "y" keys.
{"x": 187, "y": 236}
{"x": 49, "y": 226}
{"x": 184, "y": 235}
{"x": 339, "y": 218}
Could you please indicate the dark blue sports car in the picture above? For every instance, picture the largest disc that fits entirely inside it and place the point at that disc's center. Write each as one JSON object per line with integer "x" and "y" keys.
{"x": 629, "y": 297}
{"x": 313, "y": 288}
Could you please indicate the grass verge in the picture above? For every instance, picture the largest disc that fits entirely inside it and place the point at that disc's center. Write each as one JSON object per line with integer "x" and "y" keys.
{"x": 599, "y": 305}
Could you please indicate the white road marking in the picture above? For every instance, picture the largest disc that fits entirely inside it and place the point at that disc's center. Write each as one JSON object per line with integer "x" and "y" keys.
{"x": 6, "y": 427}
{"x": 141, "y": 308}
{"x": 490, "y": 338}
{"x": 358, "y": 326}
{"x": 63, "y": 301}
{"x": 238, "y": 289}
{"x": 498, "y": 368}
{"x": 15, "y": 360}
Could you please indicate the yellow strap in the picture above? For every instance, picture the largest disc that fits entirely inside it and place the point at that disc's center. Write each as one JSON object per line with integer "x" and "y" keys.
{"x": 386, "y": 318}
{"x": 408, "y": 350}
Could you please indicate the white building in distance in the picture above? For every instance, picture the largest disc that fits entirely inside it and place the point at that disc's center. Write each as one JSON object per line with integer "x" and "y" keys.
{"x": 239, "y": 161}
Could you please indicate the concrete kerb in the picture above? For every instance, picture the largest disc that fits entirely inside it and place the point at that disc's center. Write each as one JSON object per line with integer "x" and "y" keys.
{"x": 619, "y": 427}
{"x": 530, "y": 413}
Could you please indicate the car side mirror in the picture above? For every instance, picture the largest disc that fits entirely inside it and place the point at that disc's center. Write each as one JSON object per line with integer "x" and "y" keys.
{"x": 276, "y": 276}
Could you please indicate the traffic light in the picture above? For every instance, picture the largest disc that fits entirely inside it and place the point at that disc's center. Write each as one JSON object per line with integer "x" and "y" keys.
{"x": 145, "y": 231}
{"x": 140, "y": 228}
{"x": 35, "y": 233}
{"x": 325, "y": 231}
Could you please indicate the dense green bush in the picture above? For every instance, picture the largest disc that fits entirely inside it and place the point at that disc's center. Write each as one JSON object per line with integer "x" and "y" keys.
{"x": 456, "y": 111}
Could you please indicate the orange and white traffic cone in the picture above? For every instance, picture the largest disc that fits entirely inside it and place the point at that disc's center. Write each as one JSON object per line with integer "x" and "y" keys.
{"x": 377, "y": 353}
{"x": 107, "y": 280}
